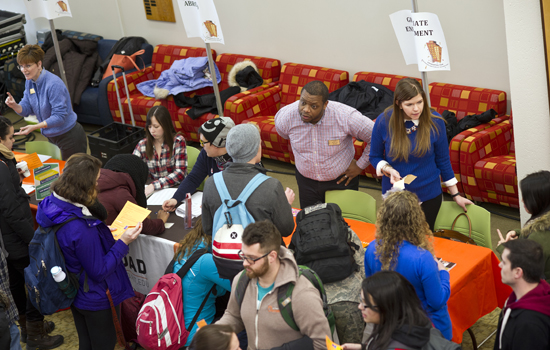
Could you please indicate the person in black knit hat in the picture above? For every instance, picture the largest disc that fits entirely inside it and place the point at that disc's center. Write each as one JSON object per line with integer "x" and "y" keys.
{"x": 123, "y": 179}
{"x": 213, "y": 158}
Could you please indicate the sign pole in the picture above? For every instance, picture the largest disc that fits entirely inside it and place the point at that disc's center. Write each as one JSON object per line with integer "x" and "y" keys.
{"x": 424, "y": 75}
{"x": 214, "y": 80}
{"x": 58, "y": 53}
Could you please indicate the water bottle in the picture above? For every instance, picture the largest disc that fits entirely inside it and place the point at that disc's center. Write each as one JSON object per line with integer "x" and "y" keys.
{"x": 63, "y": 282}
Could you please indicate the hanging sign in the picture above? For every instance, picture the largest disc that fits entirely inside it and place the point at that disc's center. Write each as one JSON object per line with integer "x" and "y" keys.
{"x": 421, "y": 39}
{"x": 49, "y": 9}
{"x": 201, "y": 20}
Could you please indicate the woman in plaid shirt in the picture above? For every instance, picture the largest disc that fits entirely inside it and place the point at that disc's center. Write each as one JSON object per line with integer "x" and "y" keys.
{"x": 167, "y": 162}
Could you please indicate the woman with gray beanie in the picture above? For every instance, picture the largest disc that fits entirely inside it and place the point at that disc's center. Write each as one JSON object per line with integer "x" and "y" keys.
{"x": 213, "y": 158}
{"x": 123, "y": 179}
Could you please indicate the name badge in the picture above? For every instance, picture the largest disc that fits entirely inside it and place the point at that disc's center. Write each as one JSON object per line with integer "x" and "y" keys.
{"x": 333, "y": 142}
{"x": 32, "y": 91}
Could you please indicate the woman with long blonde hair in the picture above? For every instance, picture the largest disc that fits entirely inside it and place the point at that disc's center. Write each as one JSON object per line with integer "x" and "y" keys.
{"x": 403, "y": 244}
{"x": 199, "y": 280}
{"x": 410, "y": 138}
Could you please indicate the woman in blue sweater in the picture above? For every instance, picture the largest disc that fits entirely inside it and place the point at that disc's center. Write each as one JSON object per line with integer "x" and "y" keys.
{"x": 47, "y": 97}
{"x": 409, "y": 138}
{"x": 403, "y": 244}
{"x": 213, "y": 158}
{"x": 200, "y": 279}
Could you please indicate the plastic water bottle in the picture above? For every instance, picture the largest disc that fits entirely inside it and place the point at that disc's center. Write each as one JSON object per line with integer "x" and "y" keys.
{"x": 63, "y": 282}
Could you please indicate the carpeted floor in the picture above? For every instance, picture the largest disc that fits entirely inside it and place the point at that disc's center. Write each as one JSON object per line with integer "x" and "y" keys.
{"x": 503, "y": 218}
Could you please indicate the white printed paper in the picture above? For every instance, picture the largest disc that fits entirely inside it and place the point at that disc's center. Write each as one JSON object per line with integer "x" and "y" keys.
{"x": 200, "y": 19}
{"x": 421, "y": 39}
{"x": 158, "y": 197}
{"x": 49, "y": 9}
{"x": 196, "y": 206}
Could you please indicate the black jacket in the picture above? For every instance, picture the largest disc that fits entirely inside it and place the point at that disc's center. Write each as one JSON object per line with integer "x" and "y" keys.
{"x": 368, "y": 98}
{"x": 16, "y": 220}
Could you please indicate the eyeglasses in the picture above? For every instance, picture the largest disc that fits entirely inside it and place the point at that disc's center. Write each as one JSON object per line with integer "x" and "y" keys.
{"x": 251, "y": 261}
{"x": 365, "y": 306}
{"x": 203, "y": 142}
{"x": 26, "y": 66}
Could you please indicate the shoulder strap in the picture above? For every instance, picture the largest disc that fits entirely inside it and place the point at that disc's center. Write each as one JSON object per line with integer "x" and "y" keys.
{"x": 246, "y": 192}
{"x": 220, "y": 186}
{"x": 212, "y": 290}
{"x": 189, "y": 263}
{"x": 284, "y": 299}
{"x": 73, "y": 278}
{"x": 240, "y": 290}
{"x": 252, "y": 186}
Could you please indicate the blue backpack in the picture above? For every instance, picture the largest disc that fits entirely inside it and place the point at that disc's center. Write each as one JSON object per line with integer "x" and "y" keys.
{"x": 44, "y": 292}
{"x": 230, "y": 220}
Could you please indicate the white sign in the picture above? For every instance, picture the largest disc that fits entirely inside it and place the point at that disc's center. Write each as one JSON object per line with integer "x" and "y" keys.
{"x": 421, "y": 40}
{"x": 49, "y": 9}
{"x": 147, "y": 260}
{"x": 201, "y": 20}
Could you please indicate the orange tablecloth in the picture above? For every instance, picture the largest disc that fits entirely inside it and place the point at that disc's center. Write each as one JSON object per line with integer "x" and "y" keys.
{"x": 476, "y": 286}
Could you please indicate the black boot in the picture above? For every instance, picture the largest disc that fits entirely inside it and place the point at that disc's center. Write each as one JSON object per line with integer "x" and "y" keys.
{"x": 38, "y": 337}
{"x": 23, "y": 326}
{"x": 49, "y": 326}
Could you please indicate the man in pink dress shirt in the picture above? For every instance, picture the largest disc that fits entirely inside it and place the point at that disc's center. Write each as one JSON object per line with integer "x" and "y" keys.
{"x": 321, "y": 135}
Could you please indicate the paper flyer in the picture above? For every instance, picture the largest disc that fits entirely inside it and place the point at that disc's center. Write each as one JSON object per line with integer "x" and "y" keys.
{"x": 332, "y": 345}
{"x": 129, "y": 216}
{"x": 49, "y": 9}
{"x": 200, "y": 19}
{"x": 33, "y": 161}
{"x": 421, "y": 39}
{"x": 43, "y": 178}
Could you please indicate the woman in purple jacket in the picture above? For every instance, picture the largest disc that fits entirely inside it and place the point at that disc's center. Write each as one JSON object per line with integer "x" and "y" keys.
{"x": 88, "y": 245}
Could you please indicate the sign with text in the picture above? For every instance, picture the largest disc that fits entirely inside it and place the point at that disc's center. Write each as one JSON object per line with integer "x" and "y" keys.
{"x": 43, "y": 178}
{"x": 49, "y": 9}
{"x": 421, "y": 40}
{"x": 201, "y": 20}
{"x": 146, "y": 261}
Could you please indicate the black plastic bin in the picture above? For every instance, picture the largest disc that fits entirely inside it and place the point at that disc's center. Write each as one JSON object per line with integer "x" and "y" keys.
{"x": 113, "y": 139}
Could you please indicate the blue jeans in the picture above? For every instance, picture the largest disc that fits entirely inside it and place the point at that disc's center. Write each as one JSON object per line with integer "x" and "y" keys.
{"x": 15, "y": 337}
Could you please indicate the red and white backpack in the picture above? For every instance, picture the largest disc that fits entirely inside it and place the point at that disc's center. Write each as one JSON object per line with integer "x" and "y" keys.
{"x": 160, "y": 324}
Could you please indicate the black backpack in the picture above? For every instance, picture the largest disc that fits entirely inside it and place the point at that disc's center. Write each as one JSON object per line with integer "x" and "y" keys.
{"x": 127, "y": 45}
{"x": 322, "y": 241}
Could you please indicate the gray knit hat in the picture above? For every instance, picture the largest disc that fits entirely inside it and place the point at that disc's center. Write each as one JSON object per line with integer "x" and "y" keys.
{"x": 215, "y": 130}
{"x": 243, "y": 142}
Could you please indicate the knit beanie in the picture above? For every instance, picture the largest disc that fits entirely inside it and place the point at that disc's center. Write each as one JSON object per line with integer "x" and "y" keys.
{"x": 215, "y": 130}
{"x": 136, "y": 168}
{"x": 243, "y": 142}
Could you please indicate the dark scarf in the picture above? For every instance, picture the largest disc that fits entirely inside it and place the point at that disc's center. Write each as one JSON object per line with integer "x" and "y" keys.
{"x": 136, "y": 168}
{"x": 98, "y": 211}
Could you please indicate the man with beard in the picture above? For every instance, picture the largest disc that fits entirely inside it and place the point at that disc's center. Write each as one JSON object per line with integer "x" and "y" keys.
{"x": 269, "y": 266}
{"x": 321, "y": 136}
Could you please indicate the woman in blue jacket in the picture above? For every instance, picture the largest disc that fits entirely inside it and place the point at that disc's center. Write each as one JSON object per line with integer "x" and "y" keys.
{"x": 409, "y": 138}
{"x": 47, "y": 97}
{"x": 200, "y": 279}
{"x": 88, "y": 246}
{"x": 403, "y": 244}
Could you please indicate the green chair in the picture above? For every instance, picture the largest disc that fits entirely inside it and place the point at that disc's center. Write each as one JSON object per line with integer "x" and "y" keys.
{"x": 43, "y": 147}
{"x": 355, "y": 205}
{"x": 192, "y": 155}
{"x": 480, "y": 218}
